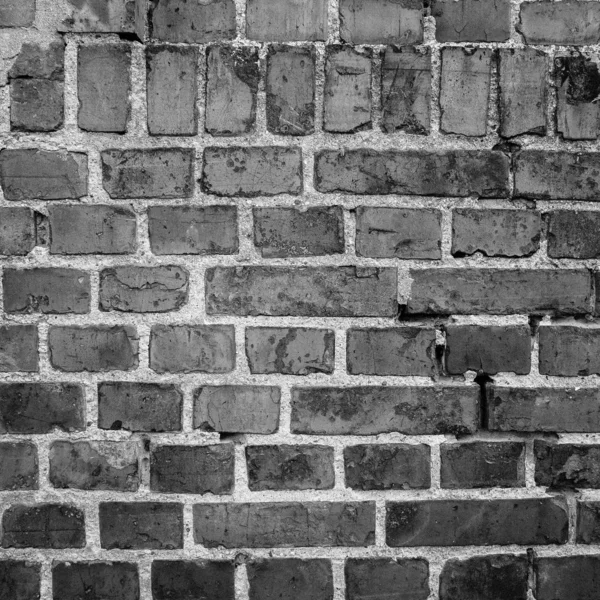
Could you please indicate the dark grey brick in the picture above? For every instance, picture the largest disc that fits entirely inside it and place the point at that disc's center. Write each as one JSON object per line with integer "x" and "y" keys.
{"x": 471, "y": 20}
{"x": 18, "y": 348}
{"x": 19, "y": 580}
{"x": 189, "y": 580}
{"x": 567, "y": 465}
{"x": 17, "y": 13}
{"x": 19, "y": 466}
{"x": 573, "y": 234}
{"x": 17, "y": 231}
{"x": 561, "y": 577}
{"x": 569, "y": 351}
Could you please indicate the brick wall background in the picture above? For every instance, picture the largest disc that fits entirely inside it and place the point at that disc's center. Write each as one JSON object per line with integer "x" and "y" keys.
{"x": 299, "y": 300}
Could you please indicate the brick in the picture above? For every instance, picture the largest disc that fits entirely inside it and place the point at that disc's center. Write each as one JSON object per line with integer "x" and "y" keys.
{"x": 483, "y": 465}
{"x": 305, "y": 291}
{"x": 398, "y": 233}
{"x": 290, "y": 351}
{"x": 189, "y": 580}
{"x": 494, "y": 577}
{"x": 283, "y": 232}
{"x": 252, "y": 171}
{"x": 36, "y": 105}
{"x": 17, "y": 13}
{"x": 192, "y": 469}
{"x": 98, "y": 348}
{"x": 39, "y": 61}
{"x": 284, "y": 524}
{"x": 588, "y": 523}
{"x": 567, "y": 577}
{"x": 569, "y": 351}
{"x": 465, "y": 89}
{"x": 290, "y": 87}
{"x": 287, "y": 20}
{"x": 477, "y": 522}
{"x": 573, "y": 234}
{"x": 17, "y": 231}
{"x": 380, "y": 578}
{"x": 40, "y": 407}
{"x": 143, "y": 407}
{"x": 231, "y": 87}
{"x": 488, "y": 349}
{"x": 43, "y": 526}
{"x": 18, "y": 348}
{"x": 505, "y": 233}
{"x": 192, "y": 348}
{"x": 195, "y": 22}
{"x": 46, "y": 291}
{"x": 387, "y": 466}
{"x": 110, "y": 16}
{"x": 567, "y": 465}
{"x": 237, "y": 409}
{"x": 18, "y": 466}
{"x": 406, "y": 90}
{"x": 458, "y": 173}
{"x": 499, "y": 291}
{"x": 75, "y": 580}
{"x": 290, "y": 578}
{"x": 347, "y": 93}
{"x": 375, "y": 410}
{"x": 143, "y": 289}
{"x": 111, "y": 466}
{"x": 19, "y": 580}
{"x": 286, "y": 467}
{"x": 32, "y": 174}
{"x": 141, "y": 525}
{"x": 171, "y": 73}
{"x": 471, "y": 20}
{"x": 203, "y": 230}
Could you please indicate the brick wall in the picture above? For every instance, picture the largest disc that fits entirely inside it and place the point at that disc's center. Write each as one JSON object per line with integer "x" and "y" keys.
{"x": 299, "y": 300}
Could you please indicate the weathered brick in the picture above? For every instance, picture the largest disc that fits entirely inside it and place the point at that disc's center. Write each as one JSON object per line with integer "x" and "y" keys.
{"x": 305, "y": 291}
{"x": 46, "y": 291}
{"x": 43, "y": 526}
{"x": 237, "y": 409}
{"x": 499, "y": 291}
{"x": 76, "y": 580}
{"x": 171, "y": 73}
{"x": 192, "y": 469}
{"x": 286, "y": 20}
{"x": 284, "y": 524}
{"x": 494, "y": 577}
{"x": 283, "y": 232}
{"x": 493, "y": 232}
{"x": 18, "y": 466}
{"x": 588, "y": 523}
{"x": 374, "y": 410}
{"x": 287, "y": 467}
{"x": 567, "y": 577}
{"x": 17, "y": 231}
{"x": 17, "y": 13}
{"x": 145, "y": 407}
{"x": 398, "y": 233}
{"x": 567, "y": 465}
{"x": 477, "y": 522}
{"x": 152, "y": 173}
{"x": 39, "y": 61}
{"x": 95, "y": 465}
{"x": 573, "y": 234}
{"x": 40, "y": 407}
{"x": 18, "y": 348}
{"x": 459, "y": 173}
{"x": 569, "y": 351}
{"x": 483, "y": 465}
{"x": 192, "y": 348}
{"x": 188, "y": 580}
{"x": 36, "y": 105}
{"x": 109, "y": 16}
{"x": 471, "y": 20}
{"x": 195, "y": 22}
{"x": 95, "y": 348}
{"x": 252, "y": 171}
{"x": 465, "y": 89}
{"x": 19, "y": 580}
{"x": 32, "y": 174}
{"x": 141, "y": 525}
{"x": 387, "y": 466}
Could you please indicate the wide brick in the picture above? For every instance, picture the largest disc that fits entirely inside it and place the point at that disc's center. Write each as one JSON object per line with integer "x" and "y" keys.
{"x": 87, "y": 229}
{"x": 494, "y": 577}
{"x": 19, "y": 580}
{"x": 17, "y": 231}
{"x": 192, "y": 469}
{"x": 588, "y": 523}
{"x": 189, "y": 580}
{"x": 459, "y": 173}
{"x": 144, "y": 407}
{"x": 171, "y": 81}
{"x": 36, "y": 105}
{"x": 387, "y": 466}
{"x": 287, "y": 578}
{"x": 32, "y": 174}
{"x": 43, "y": 526}
{"x": 483, "y": 465}
{"x": 95, "y": 466}
{"x": 284, "y": 524}
{"x": 76, "y": 580}
{"x": 283, "y": 232}
{"x": 573, "y": 234}
{"x": 567, "y": 577}
{"x": 18, "y": 348}
{"x": 95, "y": 348}
{"x": 375, "y": 410}
{"x": 19, "y": 466}
{"x": 477, "y": 522}
{"x": 286, "y": 20}
{"x": 40, "y": 407}
{"x": 499, "y": 291}
{"x": 111, "y": 16}
{"x": 237, "y": 409}
{"x": 569, "y": 351}
{"x": 287, "y": 467}
{"x": 46, "y": 291}
{"x": 252, "y": 171}
{"x": 17, "y": 13}
{"x": 471, "y": 20}
{"x": 567, "y": 465}
{"x": 141, "y": 525}
{"x": 346, "y": 291}
{"x": 192, "y": 348}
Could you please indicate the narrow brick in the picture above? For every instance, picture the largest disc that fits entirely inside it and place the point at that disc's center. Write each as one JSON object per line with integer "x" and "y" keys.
{"x": 17, "y": 13}
{"x": 560, "y": 577}
{"x": 567, "y": 465}
{"x": 112, "y": 16}
{"x": 471, "y": 20}
{"x": 75, "y": 580}
{"x": 588, "y": 523}
{"x": 573, "y": 234}
{"x": 19, "y": 466}
{"x": 36, "y": 105}
{"x": 17, "y": 231}
{"x": 569, "y": 351}
{"x": 18, "y": 348}
{"x": 187, "y": 579}
{"x": 19, "y": 580}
